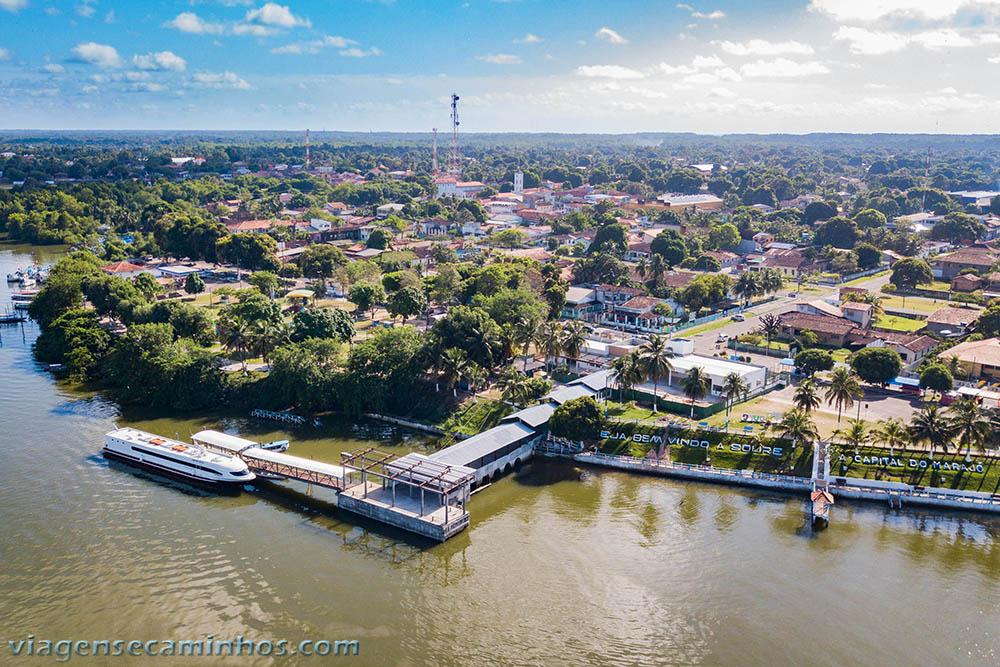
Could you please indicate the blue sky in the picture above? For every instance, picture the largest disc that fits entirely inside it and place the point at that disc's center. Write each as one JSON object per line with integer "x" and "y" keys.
{"x": 519, "y": 65}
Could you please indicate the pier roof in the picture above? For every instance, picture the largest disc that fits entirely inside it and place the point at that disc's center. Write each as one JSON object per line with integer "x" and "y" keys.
{"x": 487, "y": 442}
{"x": 293, "y": 461}
{"x": 535, "y": 416}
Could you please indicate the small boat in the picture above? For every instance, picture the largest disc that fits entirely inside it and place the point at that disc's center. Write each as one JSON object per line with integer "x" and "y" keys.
{"x": 175, "y": 458}
{"x": 13, "y": 278}
{"x": 28, "y": 281}
{"x": 23, "y": 298}
{"x": 11, "y": 318}
{"x": 54, "y": 368}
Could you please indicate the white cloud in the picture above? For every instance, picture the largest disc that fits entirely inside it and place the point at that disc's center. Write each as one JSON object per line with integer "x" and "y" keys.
{"x": 220, "y": 80}
{"x": 762, "y": 47}
{"x": 870, "y": 42}
{"x": 5, "y": 54}
{"x": 610, "y": 35}
{"x": 500, "y": 59}
{"x": 88, "y": 89}
{"x": 721, "y": 92}
{"x": 529, "y": 38}
{"x": 96, "y": 54}
{"x": 935, "y": 40}
{"x": 52, "y": 68}
{"x": 995, "y": 60}
{"x": 162, "y": 60}
{"x": 782, "y": 68}
{"x": 147, "y": 87}
{"x": 110, "y": 17}
{"x": 608, "y": 72}
{"x": 254, "y": 29}
{"x": 711, "y": 16}
{"x": 13, "y": 5}
{"x": 194, "y": 24}
{"x": 355, "y": 52}
{"x": 873, "y": 10}
{"x": 85, "y": 9}
{"x": 707, "y": 61}
{"x": 276, "y": 15}
{"x": 989, "y": 38}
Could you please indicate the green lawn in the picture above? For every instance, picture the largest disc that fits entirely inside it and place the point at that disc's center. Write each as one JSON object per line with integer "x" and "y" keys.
{"x": 969, "y": 480}
{"x": 863, "y": 279}
{"x": 897, "y": 323}
{"x": 472, "y": 417}
{"x": 841, "y": 355}
{"x": 913, "y": 303}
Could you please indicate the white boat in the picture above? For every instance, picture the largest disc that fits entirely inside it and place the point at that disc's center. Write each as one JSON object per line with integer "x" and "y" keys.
{"x": 176, "y": 458}
{"x": 28, "y": 281}
{"x": 13, "y": 278}
{"x": 23, "y": 299}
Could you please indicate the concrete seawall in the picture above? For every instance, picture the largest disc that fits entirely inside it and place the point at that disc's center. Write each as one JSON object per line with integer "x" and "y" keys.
{"x": 928, "y": 497}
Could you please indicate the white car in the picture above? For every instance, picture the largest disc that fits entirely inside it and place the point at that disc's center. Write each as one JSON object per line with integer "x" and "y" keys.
{"x": 738, "y": 318}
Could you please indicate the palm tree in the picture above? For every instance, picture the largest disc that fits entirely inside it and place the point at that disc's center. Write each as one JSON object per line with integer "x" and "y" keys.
{"x": 856, "y": 434}
{"x": 969, "y": 425}
{"x": 642, "y": 267}
{"x": 266, "y": 336}
{"x": 806, "y": 397}
{"x": 772, "y": 281}
{"x": 733, "y": 386}
{"x": 696, "y": 384}
{"x": 574, "y": 335}
{"x": 236, "y": 335}
{"x": 769, "y": 326}
{"x": 893, "y": 433}
{"x": 508, "y": 341}
{"x": 513, "y": 384}
{"x": 453, "y": 363}
{"x": 550, "y": 340}
{"x": 526, "y": 331}
{"x": 483, "y": 345}
{"x": 931, "y": 426}
{"x": 655, "y": 356}
{"x": 796, "y": 426}
{"x": 844, "y": 388}
{"x": 748, "y": 285}
{"x": 657, "y": 267}
{"x": 625, "y": 373}
{"x": 953, "y": 365}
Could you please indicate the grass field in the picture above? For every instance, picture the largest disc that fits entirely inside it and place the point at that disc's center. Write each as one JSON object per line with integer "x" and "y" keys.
{"x": 864, "y": 279}
{"x": 968, "y": 480}
{"x": 841, "y": 355}
{"x": 472, "y": 417}
{"x": 913, "y": 303}
{"x": 897, "y": 323}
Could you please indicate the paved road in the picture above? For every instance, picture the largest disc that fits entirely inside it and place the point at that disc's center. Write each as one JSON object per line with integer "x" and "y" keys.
{"x": 705, "y": 343}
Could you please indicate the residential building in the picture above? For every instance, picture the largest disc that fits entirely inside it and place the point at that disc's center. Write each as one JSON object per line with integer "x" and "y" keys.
{"x": 978, "y": 256}
{"x": 123, "y": 269}
{"x": 980, "y": 359}
{"x": 966, "y": 282}
{"x": 951, "y": 320}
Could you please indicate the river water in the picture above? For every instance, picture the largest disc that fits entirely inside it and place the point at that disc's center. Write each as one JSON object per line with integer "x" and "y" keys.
{"x": 560, "y": 565}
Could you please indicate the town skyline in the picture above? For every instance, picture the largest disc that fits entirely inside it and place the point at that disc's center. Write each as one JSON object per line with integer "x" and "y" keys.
{"x": 711, "y": 68}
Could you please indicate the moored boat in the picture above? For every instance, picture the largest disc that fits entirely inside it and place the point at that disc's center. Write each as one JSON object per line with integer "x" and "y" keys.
{"x": 176, "y": 458}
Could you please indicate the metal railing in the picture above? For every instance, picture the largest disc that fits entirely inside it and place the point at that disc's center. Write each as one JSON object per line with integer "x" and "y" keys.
{"x": 656, "y": 464}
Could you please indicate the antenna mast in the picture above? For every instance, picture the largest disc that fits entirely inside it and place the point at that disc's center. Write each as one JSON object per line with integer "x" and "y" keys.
{"x": 453, "y": 165}
{"x": 307, "y": 147}
{"x": 434, "y": 161}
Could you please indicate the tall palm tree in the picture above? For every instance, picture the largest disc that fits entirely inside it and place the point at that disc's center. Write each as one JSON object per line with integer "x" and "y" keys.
{"x": 625, "y": 373}
{"x": 657, "y": 267}
{"x": 265, "y": 337}
{"x": 770, "y": 325}
{"x": 508, "y": 341}
{"x": 733, "y": 386}
{"x": 796, "y": 426}
{"x": 892, "y": 433}
{"x": 953, "y": 365}
{"x": 484, "y": 346}
{"x": 526, "y": 330}
{"x": 513, "y": 384}
{"x": 857, "y": 433}
{"x": 931, "y": 426}
{"x": 236, "y": 335}
{"x": 971, "y": 428}
{"x": 747, "y": 286}
{"x": 806, "y": 396}
{"x": 696, "y": 384}
{"x": 772, "y": 281}
{"x": 844, "y": 388}
{"x": 655, "y": 356}
{"x": 642, "y": 267}
{"x": 453, "y": 363}
{"x": 574, "y": 335}
{"x": 550, "y": 340}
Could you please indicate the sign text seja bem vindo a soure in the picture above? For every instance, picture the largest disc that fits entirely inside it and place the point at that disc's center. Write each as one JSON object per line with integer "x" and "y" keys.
{"x": 745, "y": 447}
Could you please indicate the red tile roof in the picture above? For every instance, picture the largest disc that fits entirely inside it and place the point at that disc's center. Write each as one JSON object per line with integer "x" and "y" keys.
{"x": 121, "y": 267}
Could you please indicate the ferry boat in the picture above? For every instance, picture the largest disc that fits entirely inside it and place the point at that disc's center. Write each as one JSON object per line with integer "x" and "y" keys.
{"x": 176, "y": 458}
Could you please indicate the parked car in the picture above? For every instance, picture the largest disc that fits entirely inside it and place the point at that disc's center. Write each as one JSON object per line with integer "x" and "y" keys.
{"x": 738, "y": 318}
{"x": 722, "y": 338}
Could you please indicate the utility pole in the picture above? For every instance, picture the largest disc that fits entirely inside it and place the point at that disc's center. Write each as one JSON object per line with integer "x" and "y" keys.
{"x": 453, "y": 160}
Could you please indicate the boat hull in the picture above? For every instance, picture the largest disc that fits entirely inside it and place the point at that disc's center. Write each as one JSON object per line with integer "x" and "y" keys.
{"x": 228, "y": 485}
